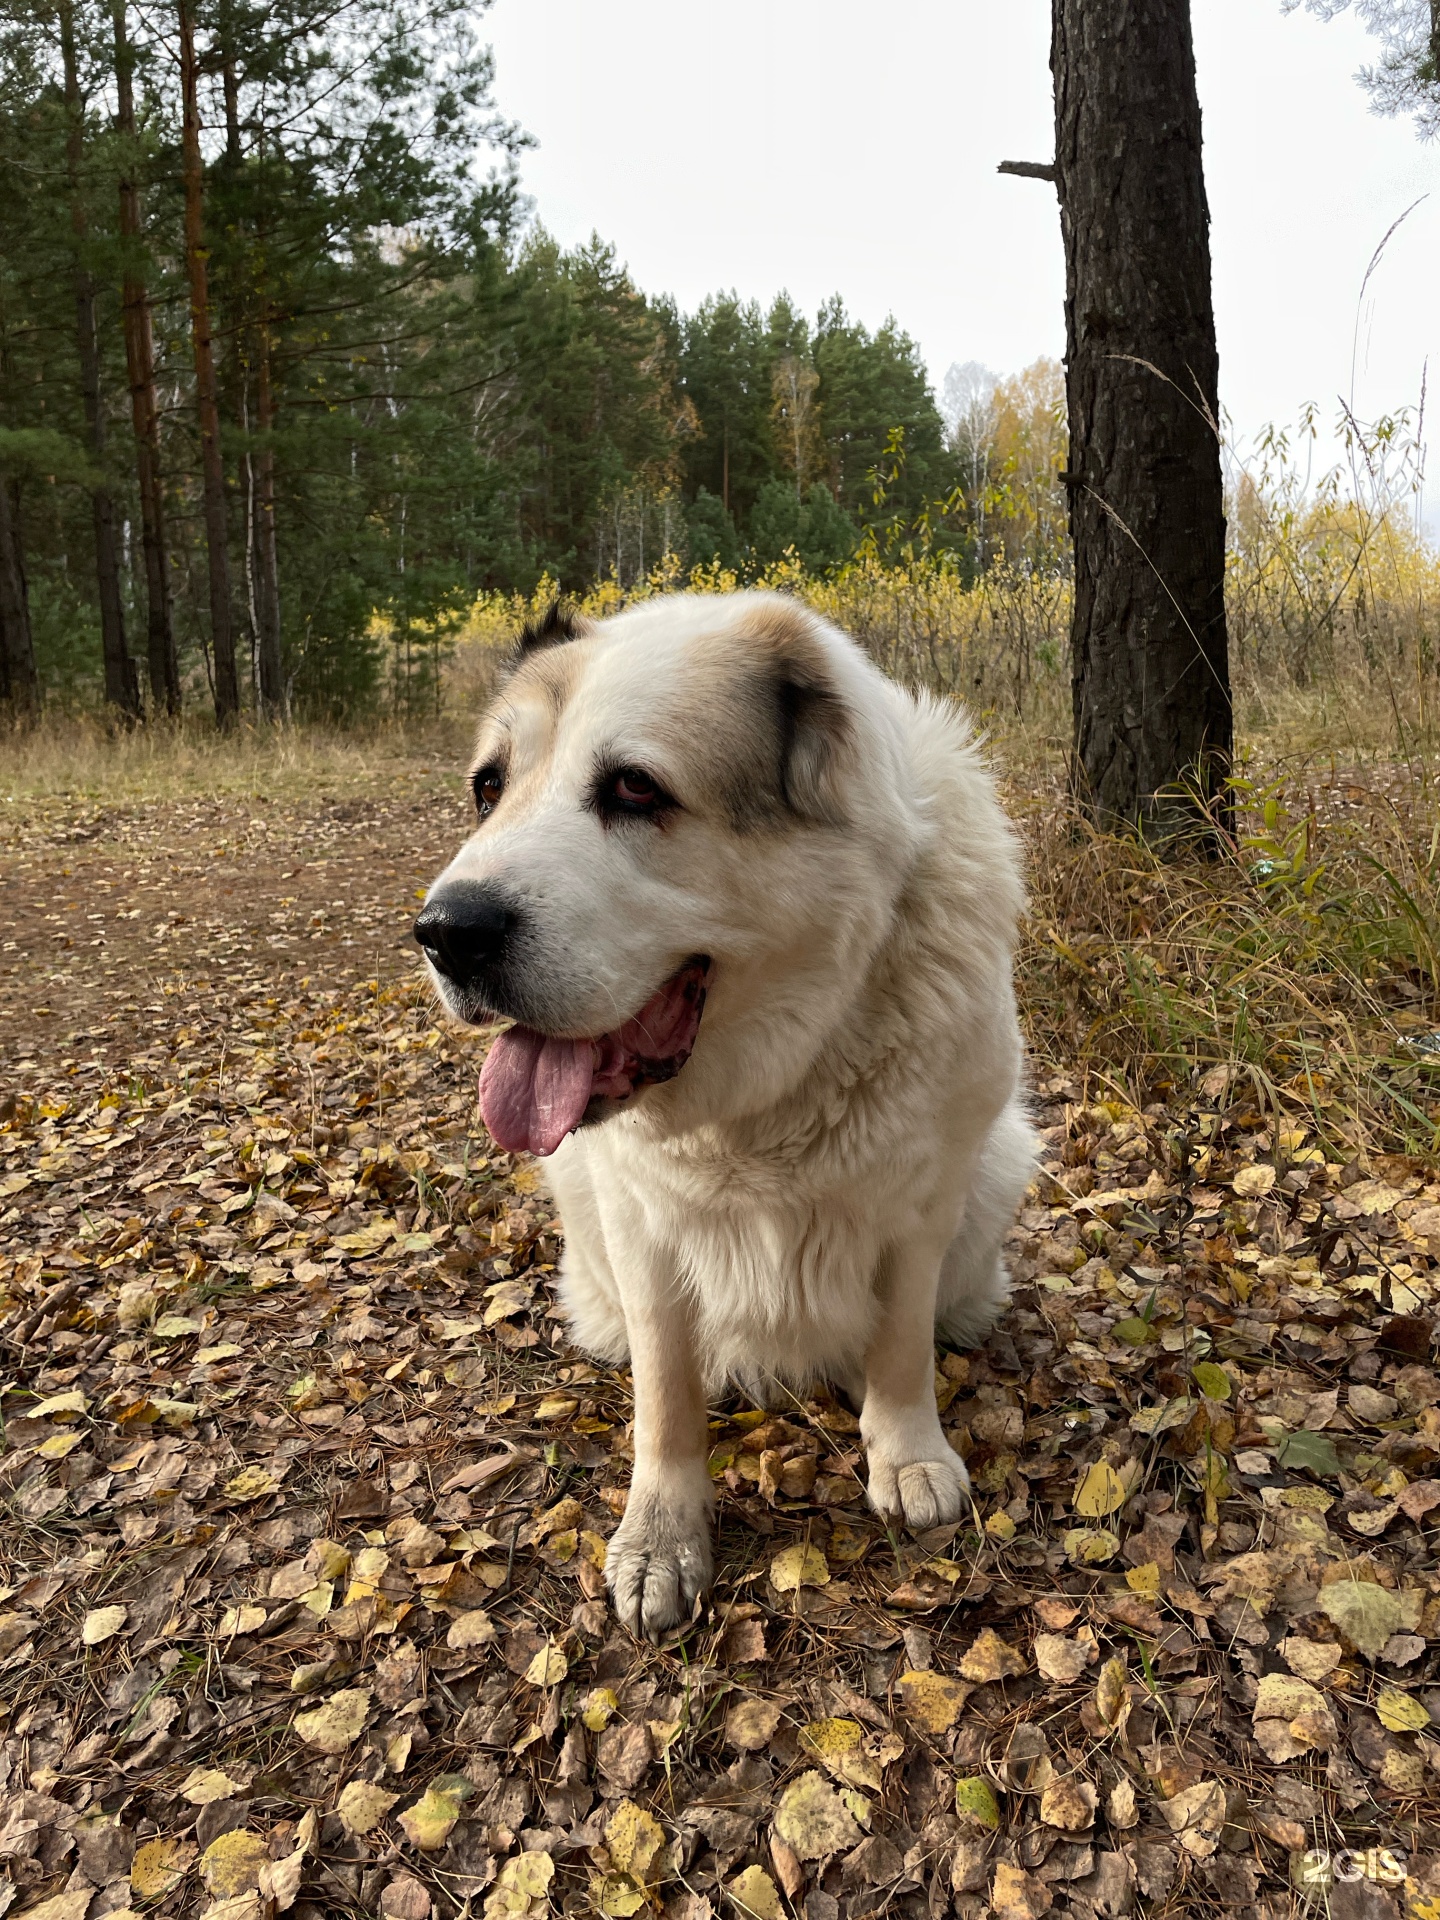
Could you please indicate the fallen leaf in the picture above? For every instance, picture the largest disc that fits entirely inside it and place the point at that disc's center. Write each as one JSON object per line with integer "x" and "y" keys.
{"x": 1017, "y": 1895}
{"x": 204, "y": 1784}
{"x": 932, "y": 1700}
{"x": 548, "y": 1668}
{"x": 1069, "y": 1803}
{"x": 1252, "y": 1181}
{"x": 634, "y": 1840}
{"x": 813, "y": 1819}
{"x": 405, "y": 1898}
{"x": 1101, "y": 1492}
{"x": 798, "y": 1566}
{"x": 337, "y": 1723}
{"x": 1065, "y": 1660}
{"x": 429, "y": 1822}
{"x": 1367, "y": 1615}
{"x": 988, "y": 1658}
{"x": 362, "y": 1807}
{"x": 974, "y": 1800}
{"x": 1401, "y": 1712}
{"x": 101, "y": 1624}
{"x": 232, "y": 1864}
{"x": 756, "y": 1894}
{"x": 521, "y": 1887}
{"x": 473, "y": 1628}
{"x": 1311, "y": 1659}
{"x": 839, "y": 1747}
{"x": 750, "y": 1723}
{"x": 160, "y": 1865}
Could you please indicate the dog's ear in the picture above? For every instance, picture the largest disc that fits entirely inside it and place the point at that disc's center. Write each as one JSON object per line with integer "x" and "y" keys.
{"x": 553, "y": 628}
{"x": 816, "y": 739}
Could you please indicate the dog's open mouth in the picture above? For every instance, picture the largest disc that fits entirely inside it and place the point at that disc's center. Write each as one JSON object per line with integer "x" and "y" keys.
{"x": 535, "y": 1087}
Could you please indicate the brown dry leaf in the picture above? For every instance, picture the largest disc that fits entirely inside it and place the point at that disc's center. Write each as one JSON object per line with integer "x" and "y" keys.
{"x": 1195, "y": 1816}
{"x": 1112, "y": 1695}
{"x": 750, "y": 1722}
{"x": 474, "y": 1628}
{"x": 1069, "y": 1803}
{"x": 101, "y": 1624}
{"x": 1291, "y": 1717}
{"x": 1017, "y": 1895}
{"x": 1310, "y": 1659}
{"x": 1065, "y": 1660}
{"x": 405, "y": 1898}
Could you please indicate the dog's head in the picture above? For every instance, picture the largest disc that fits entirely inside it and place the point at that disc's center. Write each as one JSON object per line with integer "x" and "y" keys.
{"x": 691, "y": 799}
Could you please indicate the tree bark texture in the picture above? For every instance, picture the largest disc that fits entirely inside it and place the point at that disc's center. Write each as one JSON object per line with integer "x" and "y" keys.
{"x": 122, "y": 689}
{"x": 1147, "y": 514}
{"x": 161, "y": 657}
{"x": 19, "y": 682}
{"x": 222, "y": 629}
{"x": 267, "y": 569}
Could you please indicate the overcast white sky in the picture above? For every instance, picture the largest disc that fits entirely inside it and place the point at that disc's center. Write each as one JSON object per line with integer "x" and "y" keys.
{"x": 850, "y": 147}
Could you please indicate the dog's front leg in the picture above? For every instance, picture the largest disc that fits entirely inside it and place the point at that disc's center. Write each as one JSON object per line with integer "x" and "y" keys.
{"x": 915, "y": 1474}
{"x": 659, "y": 1560}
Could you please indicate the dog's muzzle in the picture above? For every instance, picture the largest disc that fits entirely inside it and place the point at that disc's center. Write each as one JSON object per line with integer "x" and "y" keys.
{"x": 466, "y": 929}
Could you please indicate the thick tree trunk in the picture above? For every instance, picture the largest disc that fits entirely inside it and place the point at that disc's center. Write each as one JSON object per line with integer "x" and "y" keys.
{"x": 267, "y": 571}
{"x": 122, "y": 689}
{"x": 222, "y": 629}
{"x": 162, "y": 658}
{"x": 1151, "y": 687}
{"x": 19, "y": 682}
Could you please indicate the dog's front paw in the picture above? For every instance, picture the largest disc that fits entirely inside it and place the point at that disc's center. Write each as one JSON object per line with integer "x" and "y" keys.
{"x": 922, "y": 1493}
{"x": 658, "y": 1564}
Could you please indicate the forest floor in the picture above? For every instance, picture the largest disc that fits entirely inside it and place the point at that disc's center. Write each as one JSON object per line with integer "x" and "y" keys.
{"x": 306, "y": 1497}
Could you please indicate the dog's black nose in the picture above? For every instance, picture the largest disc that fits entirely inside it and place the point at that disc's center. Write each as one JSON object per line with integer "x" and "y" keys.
{"x": 463, "y": 929}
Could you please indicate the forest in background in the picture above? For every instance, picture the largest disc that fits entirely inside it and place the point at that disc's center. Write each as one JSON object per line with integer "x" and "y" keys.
{"x": 279, "y": 358}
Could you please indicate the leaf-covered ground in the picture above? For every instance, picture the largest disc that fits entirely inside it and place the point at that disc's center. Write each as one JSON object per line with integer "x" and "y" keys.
{"x": 306, "y": 1498}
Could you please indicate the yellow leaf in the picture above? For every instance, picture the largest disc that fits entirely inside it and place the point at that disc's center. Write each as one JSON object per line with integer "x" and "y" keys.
{"x": 1367, "y": 1615}
{"x": 158, "y": 1866}
{"x": 932, "y": 1700}
{"x": 60, "y": 1406}
{"x": 548, "y": 1668}
{"x": 556, "y": 1406}
{"x": 204, "y": 1784}
{"x": 428, "y": 1823}
{"x": 102, "y": 1623}
{"x": 600, "y": 1708}
{"x": 521, "y": 1887}
{"x": 241, "y": 1620}
{"x": 839, "y": 1747}
{"x": 1401, "y": 1712}
{"x": 59, "y": 1445}
{"x": 1101, "y": 1492}
{"x": 362, "y": 1807}
{"x": 1112, "y": 1695}
{"x": 750, "y": 1724}
{"x": 174, "y": 1326}
{"x": 232, "y": 1864}
{"x": 1145, "y": 1580}
{"x": 337, "y": 1723}
{"x": 616, "y": 1896}
{"x": 635, "y": 1839}
{"x": 208, "y": 1356}
{"x": 64, "y": 1906}
{"x": 798, "y": 1566}
{"x": 756, "y": 1894}
{"x": 991, "y": 1658}
{"x": 813, "y": 1820}
{"x": 975, "y": 1801}
{"x": 1251, "y": 1182}
{"x": 251, "y": 1483}
{"x": 1091, "y": 1546}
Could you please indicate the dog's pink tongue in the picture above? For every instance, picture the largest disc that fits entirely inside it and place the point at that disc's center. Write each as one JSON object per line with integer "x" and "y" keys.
{"x": 534, "y": 1090}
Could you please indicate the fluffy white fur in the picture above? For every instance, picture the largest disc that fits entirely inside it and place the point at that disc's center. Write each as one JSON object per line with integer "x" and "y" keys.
{"x": 831, "y": 1176}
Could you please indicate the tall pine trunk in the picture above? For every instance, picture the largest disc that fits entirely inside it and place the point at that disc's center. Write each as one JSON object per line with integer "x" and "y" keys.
{"x": 162, "y": 658}
{"x": 122, "y": 689}
{"x": 19, "y": 682}
{"x": 267, "y": 572}
{"x": 222, "y": 629}
{"x": 1153, "y": 732}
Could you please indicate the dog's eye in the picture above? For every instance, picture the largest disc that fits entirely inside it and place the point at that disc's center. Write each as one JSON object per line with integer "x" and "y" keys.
{"x": 487, "y": 786}
{"x": 631, "y": 790}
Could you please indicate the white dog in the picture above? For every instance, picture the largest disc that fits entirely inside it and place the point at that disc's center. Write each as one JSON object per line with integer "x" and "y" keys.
{"x": 752, "y": 908}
